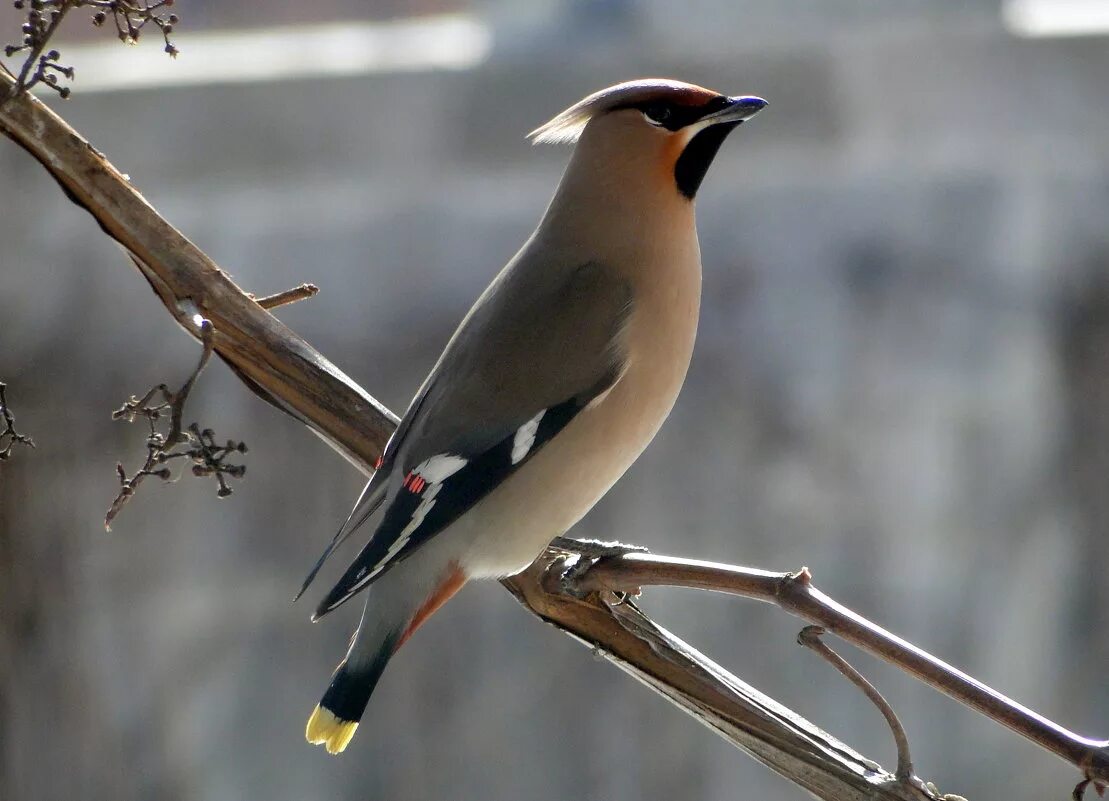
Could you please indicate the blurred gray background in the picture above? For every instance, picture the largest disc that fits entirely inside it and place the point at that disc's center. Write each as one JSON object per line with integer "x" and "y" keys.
{"x": 900, "y": 382}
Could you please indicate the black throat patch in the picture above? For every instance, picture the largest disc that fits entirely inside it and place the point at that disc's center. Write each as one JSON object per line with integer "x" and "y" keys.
{"x": 695, "y": 160}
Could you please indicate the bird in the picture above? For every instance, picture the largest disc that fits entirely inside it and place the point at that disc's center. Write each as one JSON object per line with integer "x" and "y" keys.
{"x": 552, "y": 385}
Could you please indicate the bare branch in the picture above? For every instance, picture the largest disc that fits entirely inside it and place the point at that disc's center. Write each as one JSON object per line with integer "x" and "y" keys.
{"x": 810, "y": 638}
{"x": 1080, "y": 789}
{"x": 9, "y": 437}
{"x": 614, "y": 627}
{"x": 302, "y": 292}
{"x": 794, "y": 593}
{"x": 270, "y": 358}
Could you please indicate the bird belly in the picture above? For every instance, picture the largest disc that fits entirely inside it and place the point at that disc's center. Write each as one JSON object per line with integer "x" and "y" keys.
{"x": 555, "y": 488}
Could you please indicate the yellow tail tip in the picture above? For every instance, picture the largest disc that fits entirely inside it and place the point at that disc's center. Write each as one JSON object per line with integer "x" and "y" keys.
{"x": 332, "y": 732}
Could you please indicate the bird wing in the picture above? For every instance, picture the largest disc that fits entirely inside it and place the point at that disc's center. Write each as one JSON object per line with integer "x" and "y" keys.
{"x": 374, "y": 493}
{"x": 535, "y": 350}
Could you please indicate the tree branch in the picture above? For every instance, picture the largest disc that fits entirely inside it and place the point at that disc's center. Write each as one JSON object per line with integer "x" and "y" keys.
{"x": 297, "y": 293}
{"x": 770, "y": 732}
{"x": 795, "y": 593}
{"x": 267, "y": 355}
{"x": 289, "y": 373}
{"x": 810, "y": 638}
{"x": 9, "y": 437}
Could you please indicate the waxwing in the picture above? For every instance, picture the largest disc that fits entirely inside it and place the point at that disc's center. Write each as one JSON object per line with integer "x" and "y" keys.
{"x": 553, "y": 384}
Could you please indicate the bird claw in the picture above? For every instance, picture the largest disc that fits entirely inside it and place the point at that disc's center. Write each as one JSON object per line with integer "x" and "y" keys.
{"x": 583, "y": 555}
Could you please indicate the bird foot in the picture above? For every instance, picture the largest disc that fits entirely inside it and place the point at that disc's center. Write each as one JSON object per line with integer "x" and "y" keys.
{"x": 585, "y": 554}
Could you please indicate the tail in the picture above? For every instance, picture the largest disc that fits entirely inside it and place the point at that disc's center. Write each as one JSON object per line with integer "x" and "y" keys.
{"x": 397, "y": 605}
{"x": 336, "y": 716}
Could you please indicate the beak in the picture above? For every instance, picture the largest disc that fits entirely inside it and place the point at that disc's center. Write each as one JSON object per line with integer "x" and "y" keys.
{"x": 737, "y": 110}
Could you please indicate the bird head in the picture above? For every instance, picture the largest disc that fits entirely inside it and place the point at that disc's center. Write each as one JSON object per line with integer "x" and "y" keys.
{"x": 676, "y": 126}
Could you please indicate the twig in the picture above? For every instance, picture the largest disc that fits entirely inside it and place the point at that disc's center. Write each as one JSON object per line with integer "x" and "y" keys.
{"x": 130, "y": 19}
{"x": 794, "y": 593}
{"x": 200, "y": 446}
{"x": 302, "y": 292}
{"x": 37, "y": 33}
{"x": 9, "y": 436}
{"x": 774, "y": 735}
{"x": 1080, "y": 788}
{"x": 44, "y": 18}
{"x": 265, "y": 353}
{"x": 810, "y": 638}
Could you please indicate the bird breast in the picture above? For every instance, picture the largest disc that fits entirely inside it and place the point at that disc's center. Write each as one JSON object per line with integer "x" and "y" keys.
{"x": 561, "y": 482}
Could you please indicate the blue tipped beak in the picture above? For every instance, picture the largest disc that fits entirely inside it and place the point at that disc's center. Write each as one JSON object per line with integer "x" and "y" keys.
{"x": 738, "y": 109}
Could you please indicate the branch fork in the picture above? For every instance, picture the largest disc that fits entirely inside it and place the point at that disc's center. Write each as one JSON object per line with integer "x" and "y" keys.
{"x": 796, "y": 594}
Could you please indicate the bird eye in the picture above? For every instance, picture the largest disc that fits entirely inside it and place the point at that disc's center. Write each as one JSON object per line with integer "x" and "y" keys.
{"x": 657, "y": 113}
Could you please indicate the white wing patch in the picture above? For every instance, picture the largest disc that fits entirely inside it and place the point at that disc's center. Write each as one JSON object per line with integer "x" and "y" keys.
{"x": 427, "y": 478}
{"x": 525, "y": 437}
{"x": 439, "y": 468}
{"x": 432, "y": 472}
{"x": 426, "y": 502}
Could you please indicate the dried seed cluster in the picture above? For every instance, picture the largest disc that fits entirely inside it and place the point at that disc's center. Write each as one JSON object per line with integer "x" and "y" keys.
{"x": 197, "y": 445}
{"x": 41, "y": 66}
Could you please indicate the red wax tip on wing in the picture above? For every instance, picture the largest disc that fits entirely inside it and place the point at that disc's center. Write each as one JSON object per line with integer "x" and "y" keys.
{"x": 380, "y": 461}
